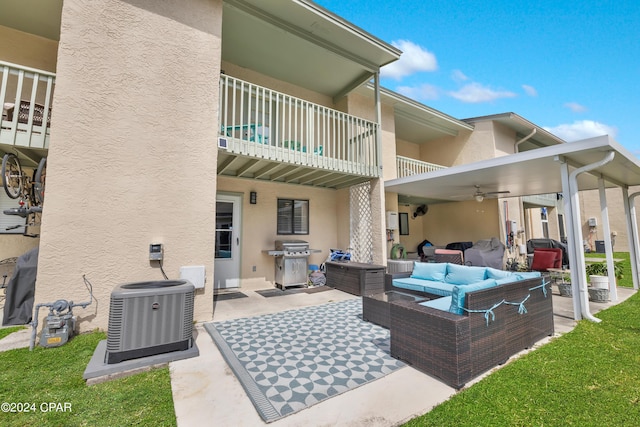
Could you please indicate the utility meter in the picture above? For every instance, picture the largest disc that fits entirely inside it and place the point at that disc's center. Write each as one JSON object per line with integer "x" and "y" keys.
{"x": 155, "y": 252}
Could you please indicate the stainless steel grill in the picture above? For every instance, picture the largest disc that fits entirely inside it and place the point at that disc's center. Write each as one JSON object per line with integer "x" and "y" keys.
{"x": 291, "y": 262}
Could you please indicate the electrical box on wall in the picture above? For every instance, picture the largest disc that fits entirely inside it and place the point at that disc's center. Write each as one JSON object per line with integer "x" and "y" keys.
{"x": 593, "y": 222}
{"x": 392, "y": 220}
{"x": 156, "y": 252}
{"x": 194, "y": 274}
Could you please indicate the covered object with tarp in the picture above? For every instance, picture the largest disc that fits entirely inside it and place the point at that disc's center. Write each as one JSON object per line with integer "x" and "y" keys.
{"x": 18, "y": 307}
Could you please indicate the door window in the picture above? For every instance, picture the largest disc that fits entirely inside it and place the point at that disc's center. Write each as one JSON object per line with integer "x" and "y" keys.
{"x": 224, "y": 229}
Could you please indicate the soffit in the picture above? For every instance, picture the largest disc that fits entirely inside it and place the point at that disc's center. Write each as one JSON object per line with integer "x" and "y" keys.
{"x": 523, "y": 128}
{"x": 38, "y": 17}
{"x": 416, "y": 122}
{"x": 527, "y": 173}
{"x": 301, "y": 43}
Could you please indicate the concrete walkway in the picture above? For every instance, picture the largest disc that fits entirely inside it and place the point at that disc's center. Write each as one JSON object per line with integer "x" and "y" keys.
{"x": 206, "y": 392}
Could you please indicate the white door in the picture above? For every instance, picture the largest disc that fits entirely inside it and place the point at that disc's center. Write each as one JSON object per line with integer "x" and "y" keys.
{"x": 227, "y": 257}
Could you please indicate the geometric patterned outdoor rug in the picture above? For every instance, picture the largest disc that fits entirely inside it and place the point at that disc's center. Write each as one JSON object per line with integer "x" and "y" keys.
{"x": 291, "y": 360}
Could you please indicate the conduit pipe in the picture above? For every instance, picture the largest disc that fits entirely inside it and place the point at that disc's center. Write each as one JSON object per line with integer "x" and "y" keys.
{"x": 573, "y": 188}
{"x": 515, "y": 146}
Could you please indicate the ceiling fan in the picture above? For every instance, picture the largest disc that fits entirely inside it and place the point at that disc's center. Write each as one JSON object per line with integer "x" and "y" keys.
{"x": 479, "y": 195}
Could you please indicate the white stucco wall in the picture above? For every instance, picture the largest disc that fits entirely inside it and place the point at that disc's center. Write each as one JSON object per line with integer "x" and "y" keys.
{"x": 590, "y": 207}
{"x": 132, "y": 158}
{"x": 259, "y": 221}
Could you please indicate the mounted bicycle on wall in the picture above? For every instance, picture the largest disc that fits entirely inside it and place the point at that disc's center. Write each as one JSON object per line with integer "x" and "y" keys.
{"x": 30, "y": 192}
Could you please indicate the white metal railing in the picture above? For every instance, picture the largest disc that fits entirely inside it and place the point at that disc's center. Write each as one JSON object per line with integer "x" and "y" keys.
{"x": 26, "y": 95}
{"x": 264, "y": 123}
{"x": 407, "y": 166}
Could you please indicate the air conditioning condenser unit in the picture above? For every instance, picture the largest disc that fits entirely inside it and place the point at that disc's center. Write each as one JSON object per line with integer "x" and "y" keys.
{"x": 149, "y": 318}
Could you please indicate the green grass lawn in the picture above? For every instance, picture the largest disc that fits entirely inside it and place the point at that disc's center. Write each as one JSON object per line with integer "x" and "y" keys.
{"x": 587, "y": 377}
{"x": 54, "y": 375}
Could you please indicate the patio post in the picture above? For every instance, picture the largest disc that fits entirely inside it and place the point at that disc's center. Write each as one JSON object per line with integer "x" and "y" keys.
{"x": 606, "y": 229}
{"x": 632, "y": 231}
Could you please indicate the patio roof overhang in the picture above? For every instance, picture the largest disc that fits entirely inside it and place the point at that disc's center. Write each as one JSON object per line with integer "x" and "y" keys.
{"x": 300, "y": 42}
{"x": 523, "y": 174}
{"x": 553, "y": 169}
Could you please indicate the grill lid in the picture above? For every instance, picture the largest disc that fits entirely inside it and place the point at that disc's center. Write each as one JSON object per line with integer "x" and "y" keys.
{"x": 291, "y": 245}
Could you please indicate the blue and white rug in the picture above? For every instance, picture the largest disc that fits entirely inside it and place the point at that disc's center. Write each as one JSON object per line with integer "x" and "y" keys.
{"x": 291, "y": 360}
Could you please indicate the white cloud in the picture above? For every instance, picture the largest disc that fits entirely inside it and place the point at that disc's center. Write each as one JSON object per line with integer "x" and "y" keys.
{"x": 476, "y": 93}
{"x": 458, "y": 76}
{"x": 530, "y": 90}
{"x": 414, "y": 59}
{"x": 425, "y": 92}
{"x": 582, "y": 129}
{"x": 575, "y": 107}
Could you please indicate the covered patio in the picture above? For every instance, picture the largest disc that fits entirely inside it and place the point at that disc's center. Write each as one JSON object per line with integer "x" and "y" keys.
{"x": 591, "y": 164}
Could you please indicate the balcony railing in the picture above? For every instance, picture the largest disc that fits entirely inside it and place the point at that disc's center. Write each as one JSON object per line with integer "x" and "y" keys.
{"x": 26, "y": 96}
{"x": 407, "y": 166}
{"x": 262, "y": 123}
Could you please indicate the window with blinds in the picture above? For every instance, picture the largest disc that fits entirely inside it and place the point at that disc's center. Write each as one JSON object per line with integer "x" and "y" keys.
{"x": 293, "y": 216}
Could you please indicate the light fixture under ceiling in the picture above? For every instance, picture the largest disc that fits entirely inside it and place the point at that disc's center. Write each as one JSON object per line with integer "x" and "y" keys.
{"x": 479, "y": 195}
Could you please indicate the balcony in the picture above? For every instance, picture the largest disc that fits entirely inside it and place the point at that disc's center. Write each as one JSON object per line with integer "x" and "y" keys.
{"x": 272, "y": 136}
{"x": 26, "y": 96}
{"x": 407, "y": 166}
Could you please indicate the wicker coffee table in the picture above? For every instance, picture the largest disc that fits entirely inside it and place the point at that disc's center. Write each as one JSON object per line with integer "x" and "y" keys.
{"x": 375, "y": 308}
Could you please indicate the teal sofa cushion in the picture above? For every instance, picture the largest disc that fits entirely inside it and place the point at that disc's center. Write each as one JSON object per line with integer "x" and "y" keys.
{"x": 429, "y": 271}
{"x": 522, "y": 275}
{"x": 429, "y": 286}
{"x": 459, "y": 293}
{"x": 442, "y": 304}
{"x": 508, "y": 279}
{"x": 464, "y": 275}
{"x": 494, "y": 273}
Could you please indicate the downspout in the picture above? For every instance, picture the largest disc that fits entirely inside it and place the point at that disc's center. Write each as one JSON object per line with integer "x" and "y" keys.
{"x": 573, "y": 184}
{"x": 515, "y": 146}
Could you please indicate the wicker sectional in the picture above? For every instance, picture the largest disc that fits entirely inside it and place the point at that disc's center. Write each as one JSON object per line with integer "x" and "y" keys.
{"x": 457, "y": 348}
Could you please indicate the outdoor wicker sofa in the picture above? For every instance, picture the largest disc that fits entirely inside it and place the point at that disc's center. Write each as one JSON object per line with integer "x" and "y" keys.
{"x": 497, "y": 323}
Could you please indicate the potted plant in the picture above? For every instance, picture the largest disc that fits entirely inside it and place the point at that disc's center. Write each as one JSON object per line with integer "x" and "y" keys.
{"x": 564, "y": 285}
{"x": 599, "y": 280}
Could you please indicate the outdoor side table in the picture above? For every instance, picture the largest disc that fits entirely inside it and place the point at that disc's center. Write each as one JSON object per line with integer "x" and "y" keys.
{"x": 376, "y": 307}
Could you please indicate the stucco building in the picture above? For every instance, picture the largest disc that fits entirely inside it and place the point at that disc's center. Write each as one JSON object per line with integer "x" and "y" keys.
{"x": 215, "y": 128}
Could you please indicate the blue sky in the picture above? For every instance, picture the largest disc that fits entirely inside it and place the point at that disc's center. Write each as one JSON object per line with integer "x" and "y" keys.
{"x": 571, "y": 67}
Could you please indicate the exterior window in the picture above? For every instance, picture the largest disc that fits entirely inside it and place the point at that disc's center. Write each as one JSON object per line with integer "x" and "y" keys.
{"x": 545, "y": 222}
{"x": 293, "y": 216}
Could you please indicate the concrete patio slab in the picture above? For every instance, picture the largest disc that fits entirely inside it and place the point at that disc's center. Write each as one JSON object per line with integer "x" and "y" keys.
{"x": 206, "y": 391}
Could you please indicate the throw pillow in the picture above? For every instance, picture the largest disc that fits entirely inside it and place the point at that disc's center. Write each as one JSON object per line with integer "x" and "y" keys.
{"x": 464, "y": 275}
{"x": 543, "y": 260}
{"x": 429, "y": 271}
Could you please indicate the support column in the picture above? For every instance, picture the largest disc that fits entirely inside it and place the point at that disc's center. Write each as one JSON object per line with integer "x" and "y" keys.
{"x": 574, "y": 241}
{"x": 632, "y": 232}
{"x": 608, "y": 247}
